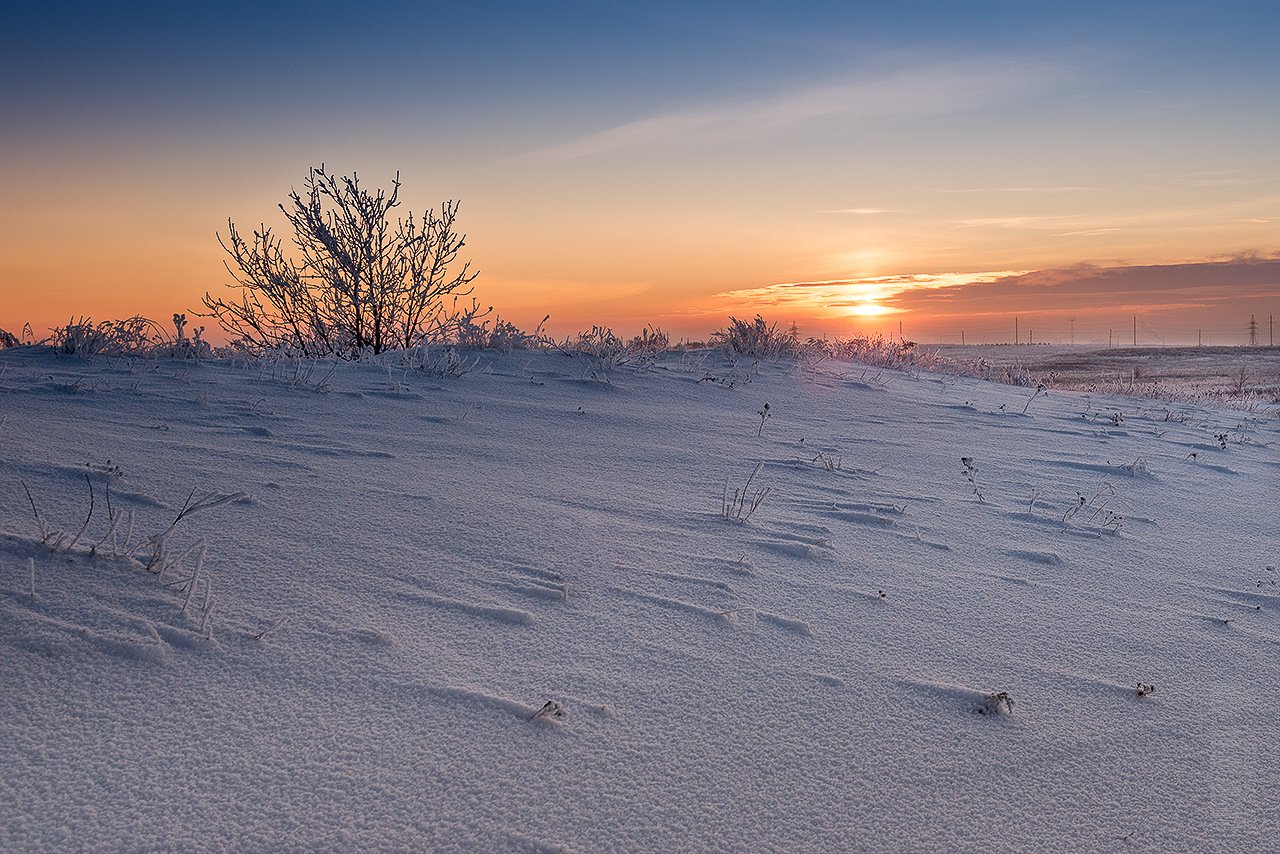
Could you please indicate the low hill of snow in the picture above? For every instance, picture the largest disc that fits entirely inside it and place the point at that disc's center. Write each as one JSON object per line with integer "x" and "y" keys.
{"x": 529, "y": 608}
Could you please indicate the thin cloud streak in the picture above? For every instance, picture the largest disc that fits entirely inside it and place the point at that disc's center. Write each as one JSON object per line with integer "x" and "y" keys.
{"x": 929, "y": 90}
{"x": 1163, "y": 287}
{"x": 1209, "y": 216}
{"x": 1048, "y": 190}
{"x": 1084, "y": 289}
{"x": 842, "y": 297}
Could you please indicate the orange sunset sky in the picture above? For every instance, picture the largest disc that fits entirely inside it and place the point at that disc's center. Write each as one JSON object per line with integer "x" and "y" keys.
{"x": 848, "y": 167}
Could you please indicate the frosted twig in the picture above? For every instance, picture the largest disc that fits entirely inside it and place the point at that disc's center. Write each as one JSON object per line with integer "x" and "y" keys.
{"x": 41, "y": 524}
{"x": 195, "y": 578}
{"x": 68, "y": 545}
{"x": 280, "y": 621}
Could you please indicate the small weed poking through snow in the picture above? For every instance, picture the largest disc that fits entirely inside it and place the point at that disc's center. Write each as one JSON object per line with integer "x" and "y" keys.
{"x": 551, "y": 711}
{"x": 828, "y": 463}
{"x": 745, "y": 501}
{"x": 999, "y": 703}
{"x": 1041, "y": 389}
{"x": 1136, "y": 468}
{"x": 1094, "y": 512}
{"x": 765, "y": 415}
{"x": 971, "y": 474}
{"x": 1145, "y": 689}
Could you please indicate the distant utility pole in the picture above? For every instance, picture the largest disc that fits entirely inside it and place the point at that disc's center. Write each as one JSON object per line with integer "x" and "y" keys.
{"x": 961, "y": 337}
{"x": 1198, "y": 338}
{"x": 1031, "y": 336}
{"x": 1135, "y": 330}
{"x": 1015, "y": 329}
{"x": 1271, "y": 330}
{"x": 1109, "y": 331}
{"x": 1072, "y": 321}
{"x": 1253, "y": 332}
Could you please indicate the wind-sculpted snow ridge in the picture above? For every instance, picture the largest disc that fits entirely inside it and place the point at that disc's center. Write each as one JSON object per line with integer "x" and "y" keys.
{"x": 508, "y": 610}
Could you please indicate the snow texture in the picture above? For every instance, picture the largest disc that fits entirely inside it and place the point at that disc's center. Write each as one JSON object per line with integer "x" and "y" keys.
{"x": 506, "y": 611}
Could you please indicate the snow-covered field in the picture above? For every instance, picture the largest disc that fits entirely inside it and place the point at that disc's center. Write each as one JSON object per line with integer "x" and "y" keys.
{"x": 889, "y": 654}
{"x": 1239, "y": 375}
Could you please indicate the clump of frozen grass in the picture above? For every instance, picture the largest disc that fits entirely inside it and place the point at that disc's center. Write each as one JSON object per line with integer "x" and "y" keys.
{"x": 1145, "y": 689}
{"x": 757, "y": 338}
{"x": 1136, "y": 468}
{"x": 745, "y": 500}
{"x": 296, "y": 369}
{"x": 155, "y": 553}
{"x": 827, "y": 462}
{"x": 502, "y": 336}
{"x": 881, "y": 352}
{"x": 602, "y": 346}
{"x": 439, "y": 362}
{"x": 133, "y": 336}
{"x": 651, "y": 341}
{"x": 760, "y": 339}
{"x": 1094, "y": 512}
{"x": 600, "y": 343}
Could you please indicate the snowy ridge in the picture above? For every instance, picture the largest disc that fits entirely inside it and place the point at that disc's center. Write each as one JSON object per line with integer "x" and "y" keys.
{"x": 507, "y": 612}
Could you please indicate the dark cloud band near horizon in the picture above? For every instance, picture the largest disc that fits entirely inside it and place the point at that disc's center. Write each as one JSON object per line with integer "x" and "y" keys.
{"x": 1181, "y": 298}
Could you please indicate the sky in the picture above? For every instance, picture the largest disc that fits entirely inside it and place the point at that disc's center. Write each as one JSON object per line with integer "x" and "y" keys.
{"x": 934, "y": 168}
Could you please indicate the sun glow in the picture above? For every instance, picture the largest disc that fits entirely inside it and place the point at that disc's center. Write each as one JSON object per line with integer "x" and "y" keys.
{"x": 868, "y": 297}
{"x": 871, "y": 309}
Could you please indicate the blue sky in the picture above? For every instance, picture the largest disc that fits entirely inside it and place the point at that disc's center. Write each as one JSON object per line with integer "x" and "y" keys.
{"x": 642, "y": 160}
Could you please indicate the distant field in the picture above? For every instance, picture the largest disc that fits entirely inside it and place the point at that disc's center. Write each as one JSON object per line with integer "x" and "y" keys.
{"x": 1233, "y": 373}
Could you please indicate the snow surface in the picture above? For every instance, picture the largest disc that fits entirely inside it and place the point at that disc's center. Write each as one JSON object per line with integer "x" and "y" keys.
{"x": 450, "y": 554}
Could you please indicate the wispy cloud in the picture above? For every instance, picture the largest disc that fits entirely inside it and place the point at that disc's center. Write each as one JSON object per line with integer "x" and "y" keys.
{"x": 1145, "y": 288}
{"x": 863, "y": 211}
{"x": 1083, "y": 289}
{"x": 1045, "y": 189}
{"x": 938, "y": 89}
{"x": 1237, "y": 211}
{"x": 843, "y": 297}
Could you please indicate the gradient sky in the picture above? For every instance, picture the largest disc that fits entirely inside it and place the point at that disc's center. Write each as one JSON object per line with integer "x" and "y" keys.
{"x": 848, "y": 166}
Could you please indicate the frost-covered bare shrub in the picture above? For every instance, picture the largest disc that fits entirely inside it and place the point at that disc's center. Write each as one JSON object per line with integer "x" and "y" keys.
{"x": 763, "y": 340}
{"x": 133, "y": 336}
{"x": 502, "y": 336}
{"x": 183, "y": 347}
{"x": 651, "y": 341}
{"x": 600, "y": 342}
{"x": 606, "y": 347}
{"x": 757, "y": 338}
{"x": 352, "y": 280}
{"x": 439, "y": 362}
{"x": 8, "y": 339}
{"x": 1011, "y": 374}
{"x": 881, "y": 352}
